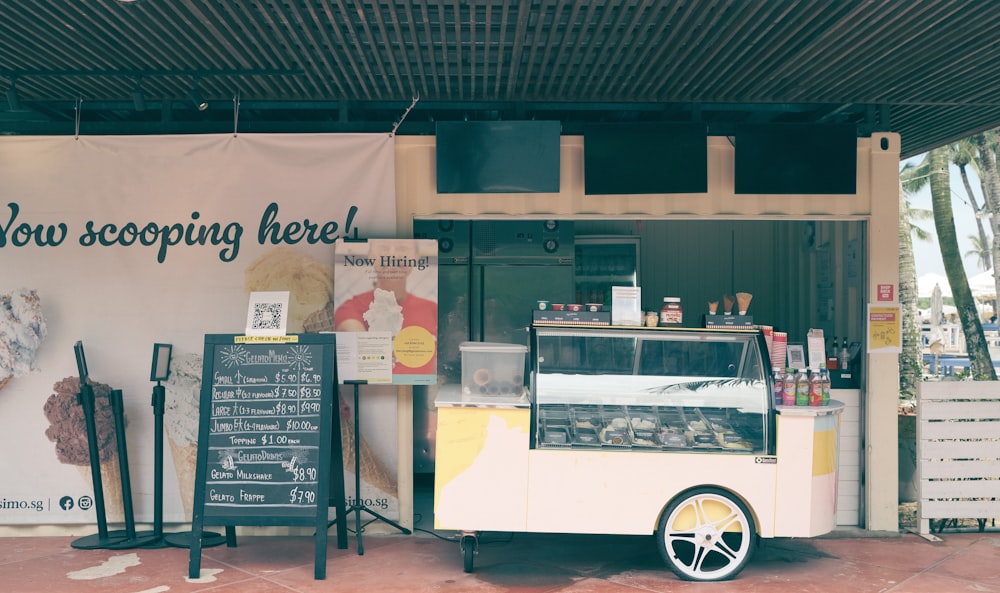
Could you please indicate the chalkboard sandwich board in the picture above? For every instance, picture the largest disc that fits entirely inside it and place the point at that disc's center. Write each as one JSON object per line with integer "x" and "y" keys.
{"x": 267, "y": 438}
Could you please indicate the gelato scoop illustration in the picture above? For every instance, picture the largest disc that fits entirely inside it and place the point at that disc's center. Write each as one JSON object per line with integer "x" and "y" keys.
{"x": 22, "y": 329}
{"x": 68, "y": 430}
{"x": 308, "y": 281}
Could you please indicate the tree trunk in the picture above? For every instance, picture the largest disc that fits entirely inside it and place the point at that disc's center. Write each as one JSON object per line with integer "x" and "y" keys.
{"x": 980, "y": 363}
{"x": 986, "y": 257}
{"x": 911, "y": 358}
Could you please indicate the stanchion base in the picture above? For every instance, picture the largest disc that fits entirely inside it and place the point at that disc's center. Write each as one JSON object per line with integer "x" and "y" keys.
{"x": 182, "y": 539}
{"x": 141, "y": 539}
{"x": 96, "y": 542}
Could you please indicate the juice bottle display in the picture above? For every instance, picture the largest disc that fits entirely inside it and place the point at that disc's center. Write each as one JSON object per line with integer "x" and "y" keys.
{"x": 801, "y": 388}
{"x": 779, "y": 386}
{"x": 788, "y": 397}
{"x": 824, "y": 376}
{"x": 815, "y": 388}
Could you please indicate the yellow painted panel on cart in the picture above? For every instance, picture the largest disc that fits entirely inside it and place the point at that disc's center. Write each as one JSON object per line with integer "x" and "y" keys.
{"x": 480, "y": 477}
{"x": 825, "y": 445}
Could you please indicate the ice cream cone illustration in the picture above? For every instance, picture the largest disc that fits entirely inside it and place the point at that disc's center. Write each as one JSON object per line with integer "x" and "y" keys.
{"x": 373, "y": 469}
{"x": 183, "y": 394}
{"x": 320, "y": 320}
{"x": 22, "y": 329}
{"x": 68, "y": 430}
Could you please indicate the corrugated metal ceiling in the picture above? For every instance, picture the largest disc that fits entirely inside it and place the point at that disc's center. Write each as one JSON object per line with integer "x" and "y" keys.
{"x": 928, "y": 69}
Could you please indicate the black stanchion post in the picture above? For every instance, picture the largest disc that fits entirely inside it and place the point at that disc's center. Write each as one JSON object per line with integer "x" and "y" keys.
{"x": 159, "y": 372}
{"x": 103, "y": 538}
{"x": 158, "y": 403}
{"x": 132, "y": 539}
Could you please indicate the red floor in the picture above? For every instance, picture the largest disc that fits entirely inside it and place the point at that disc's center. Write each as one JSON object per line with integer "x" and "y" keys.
{"x": 519, "y": 562}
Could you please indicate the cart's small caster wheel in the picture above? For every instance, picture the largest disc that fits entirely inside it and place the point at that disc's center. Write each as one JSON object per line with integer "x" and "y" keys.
{"x": 470, "y": 546}
{"x": 706, "y": 534}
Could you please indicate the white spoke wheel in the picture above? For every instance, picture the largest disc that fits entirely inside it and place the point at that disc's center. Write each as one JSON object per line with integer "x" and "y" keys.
{"x": 706, "y": 534}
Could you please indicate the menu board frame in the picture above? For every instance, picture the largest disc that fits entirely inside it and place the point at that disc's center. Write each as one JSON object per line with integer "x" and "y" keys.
{"x": 261, "y": 397}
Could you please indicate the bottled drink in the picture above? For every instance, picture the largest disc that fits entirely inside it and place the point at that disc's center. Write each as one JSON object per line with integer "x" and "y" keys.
{"x": 815, "y": 388}
{"x": 844, "y": 356}
{"x": 833, "y": 355}
{"x": 788, "y": 397}
{"x": 801, "y": 388}
{"x": 779, "y": 386}
{"x": 824, "y": 377}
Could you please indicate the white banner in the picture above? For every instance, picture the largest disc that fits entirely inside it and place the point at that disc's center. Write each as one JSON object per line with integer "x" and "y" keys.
{"x": 129, "y": 241}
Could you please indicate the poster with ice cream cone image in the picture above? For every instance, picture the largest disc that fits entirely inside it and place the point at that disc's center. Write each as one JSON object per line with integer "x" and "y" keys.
{"x": 390, "y": 285}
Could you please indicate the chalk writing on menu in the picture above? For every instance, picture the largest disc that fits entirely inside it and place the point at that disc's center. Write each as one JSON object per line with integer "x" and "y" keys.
{"x": 264, "y": 431}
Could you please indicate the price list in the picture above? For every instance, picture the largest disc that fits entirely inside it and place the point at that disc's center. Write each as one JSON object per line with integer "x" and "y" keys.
{"x": 264, "y": 429}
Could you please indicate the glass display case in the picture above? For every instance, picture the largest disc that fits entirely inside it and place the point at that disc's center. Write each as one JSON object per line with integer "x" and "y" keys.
{"x": 651, "y": 389}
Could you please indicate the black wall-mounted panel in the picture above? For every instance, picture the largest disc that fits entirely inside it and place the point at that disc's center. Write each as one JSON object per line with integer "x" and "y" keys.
{"x": 645, "y": 158}
{"x": 498, "y": 156}
{"x": 796, "y": 159}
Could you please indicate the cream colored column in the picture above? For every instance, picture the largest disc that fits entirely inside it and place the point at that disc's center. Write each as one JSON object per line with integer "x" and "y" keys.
{"x": 404, "y": 465}
{"x": 882, "y": 376}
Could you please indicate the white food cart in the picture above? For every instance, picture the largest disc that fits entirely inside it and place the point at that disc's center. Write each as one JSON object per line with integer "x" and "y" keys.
{"x": 637, "y": 431}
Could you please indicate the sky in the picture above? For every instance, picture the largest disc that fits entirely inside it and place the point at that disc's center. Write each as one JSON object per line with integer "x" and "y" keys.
{"x": 927, "y": 253}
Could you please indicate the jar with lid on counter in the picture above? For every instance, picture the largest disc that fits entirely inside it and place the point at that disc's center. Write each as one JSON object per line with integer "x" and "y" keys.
{"x": 671, "y": 313}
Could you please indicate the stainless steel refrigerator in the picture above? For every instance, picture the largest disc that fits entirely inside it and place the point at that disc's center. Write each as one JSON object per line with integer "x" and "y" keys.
{"x": 491, "y": 274}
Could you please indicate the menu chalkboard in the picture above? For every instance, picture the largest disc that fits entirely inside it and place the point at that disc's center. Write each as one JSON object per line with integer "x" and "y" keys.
{"x": 268, "y": 447}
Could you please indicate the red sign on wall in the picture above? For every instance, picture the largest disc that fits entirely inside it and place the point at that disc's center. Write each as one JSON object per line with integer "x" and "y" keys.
{"x": 886, "y": 291}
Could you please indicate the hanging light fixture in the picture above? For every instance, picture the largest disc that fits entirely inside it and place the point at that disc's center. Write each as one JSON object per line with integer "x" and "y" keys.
{"x": 13, "y": 100}
{"x": 197, "y": 99}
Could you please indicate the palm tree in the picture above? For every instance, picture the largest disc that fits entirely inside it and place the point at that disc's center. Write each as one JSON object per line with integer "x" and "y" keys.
{"x": 963, "y": 154}
{"x": 911, "y": 179}
{"x": 986, "y": 152}
{"x": 981, "y": 251}
{"x": 911, "y": 356}
{"x": 980, "y": 363}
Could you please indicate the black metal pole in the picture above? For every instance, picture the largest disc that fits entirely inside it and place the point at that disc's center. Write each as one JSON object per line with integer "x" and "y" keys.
{"x": 159, "y": 401}
{"x": 359, "y": 504}
{"x": 103, "y": 538}
{"x": 87, "y": 400}
{"x": 132, "y": 539}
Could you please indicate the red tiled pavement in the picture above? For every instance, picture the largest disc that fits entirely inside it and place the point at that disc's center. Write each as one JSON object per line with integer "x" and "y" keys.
{"x": 535, "y": 563}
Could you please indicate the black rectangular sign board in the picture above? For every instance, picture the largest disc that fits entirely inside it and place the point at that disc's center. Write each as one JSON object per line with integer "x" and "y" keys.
{"x": 269, "y": 450}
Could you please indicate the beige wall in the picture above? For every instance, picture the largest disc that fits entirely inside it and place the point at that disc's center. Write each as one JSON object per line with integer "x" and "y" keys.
{"x": 750, "y": 240}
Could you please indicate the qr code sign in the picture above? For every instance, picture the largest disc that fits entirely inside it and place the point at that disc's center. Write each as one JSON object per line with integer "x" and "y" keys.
{"x": 267, "y": 316}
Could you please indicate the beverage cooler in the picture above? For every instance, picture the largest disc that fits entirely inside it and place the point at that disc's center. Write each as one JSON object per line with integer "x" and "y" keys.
{"x": 603, "y": 261}
{"x": 491, "y": 273}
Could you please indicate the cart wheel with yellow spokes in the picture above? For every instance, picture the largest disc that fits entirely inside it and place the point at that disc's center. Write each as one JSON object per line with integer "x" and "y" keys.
{"x": 706, "y": 534}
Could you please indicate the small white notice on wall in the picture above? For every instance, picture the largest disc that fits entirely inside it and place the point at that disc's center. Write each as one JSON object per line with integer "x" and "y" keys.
{"x": 267, "y": 314}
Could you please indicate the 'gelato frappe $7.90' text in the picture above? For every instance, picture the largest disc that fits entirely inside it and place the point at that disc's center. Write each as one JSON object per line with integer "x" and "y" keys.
{"x": 15, "y": 233}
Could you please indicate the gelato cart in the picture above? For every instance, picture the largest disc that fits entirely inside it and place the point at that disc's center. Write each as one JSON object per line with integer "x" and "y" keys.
{"x": 635, "y": 431}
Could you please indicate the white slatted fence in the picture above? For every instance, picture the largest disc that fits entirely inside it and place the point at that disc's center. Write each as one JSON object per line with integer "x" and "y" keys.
{"x": 958, "y": 452}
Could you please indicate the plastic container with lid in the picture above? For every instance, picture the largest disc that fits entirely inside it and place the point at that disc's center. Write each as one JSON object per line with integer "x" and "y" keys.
{"x": 671, "y": 313}
{"x": 492, "y": 368}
